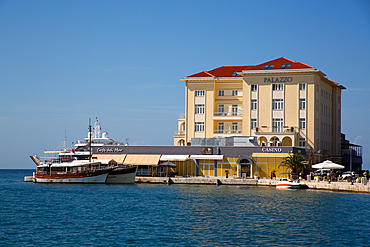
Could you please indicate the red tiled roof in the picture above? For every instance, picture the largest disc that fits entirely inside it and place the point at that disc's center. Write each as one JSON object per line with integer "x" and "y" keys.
{"x": 336, "y": 83}
{"x": 279, "y": 61}
{"x": 224, "y": 71}
{"x": 227, "y": 71}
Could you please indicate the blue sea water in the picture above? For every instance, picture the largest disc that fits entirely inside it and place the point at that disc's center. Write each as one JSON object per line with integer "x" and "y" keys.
{"x": 177, "y": 215}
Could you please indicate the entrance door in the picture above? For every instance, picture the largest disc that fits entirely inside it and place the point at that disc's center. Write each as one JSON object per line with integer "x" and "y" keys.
{"x": 246, "y": 168}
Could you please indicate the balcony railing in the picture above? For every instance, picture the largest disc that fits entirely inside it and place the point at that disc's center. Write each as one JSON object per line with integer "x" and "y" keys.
{"x": 276, "y": 129}
{"x": 181, "y": 115}
{"x": 227, "y": 114}
{"x": 227, "y": 131}
{"x": 179, "y": 132}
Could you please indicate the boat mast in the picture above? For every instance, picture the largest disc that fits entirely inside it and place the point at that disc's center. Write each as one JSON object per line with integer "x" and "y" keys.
{"x": 65, "y": 140}
{"x": 90, "y": 139}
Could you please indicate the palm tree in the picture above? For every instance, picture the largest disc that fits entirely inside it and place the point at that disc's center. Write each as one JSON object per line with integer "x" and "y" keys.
{"x": 293, "y": 162}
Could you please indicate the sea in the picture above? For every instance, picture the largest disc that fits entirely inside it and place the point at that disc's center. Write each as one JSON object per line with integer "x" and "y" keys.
{"x": 177, "y": 215}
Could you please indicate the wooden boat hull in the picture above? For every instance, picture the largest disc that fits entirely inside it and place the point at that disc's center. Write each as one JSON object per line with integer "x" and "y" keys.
{"x": 92, "y": 178}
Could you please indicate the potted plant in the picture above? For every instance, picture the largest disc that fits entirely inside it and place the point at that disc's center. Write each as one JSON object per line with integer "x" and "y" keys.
{"x": 227, "y": 173}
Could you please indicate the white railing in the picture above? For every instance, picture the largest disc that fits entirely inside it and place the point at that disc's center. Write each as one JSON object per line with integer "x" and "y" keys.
{"x": 179, "y": 132}
{"x": 276, "y": 129}
{"x": 227, "y": 114}
{"x": 227, "y": 131}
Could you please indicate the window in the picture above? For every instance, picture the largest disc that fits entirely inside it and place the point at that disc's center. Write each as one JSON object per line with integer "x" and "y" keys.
{"x": 199, "y": 109}
{"x": 277, "y": 125}
{"x": 199, "y": 126}
{"x": 253, "y": 123}
{"x": 302, "y": 86}
{"x": 235, "y": 110}
{"x": 220, "y": 127}
{"x": 277, "y": 87}
{"x": 235, "y": 127}
{"x": 302, "y": 142}
{"x": 235, "y": 93}
{"x": 199, "y": 93}
{"x": 285, "y": 66}
{"x": 254, "y": 87}
{"x": 302, "y": 104}
{"x": 253, "y": 104}
{"x": 220, "y": 92}
{"x": 221, "y": 109}
{"x": 277, "y": 104}
{"x": 236, "y": 73}
{"x": 302, "y": 123}
{"x": 274, "y": 141}
{"x": 268, "y": 66}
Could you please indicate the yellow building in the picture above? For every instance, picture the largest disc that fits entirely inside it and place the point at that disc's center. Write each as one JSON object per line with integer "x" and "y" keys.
{"x": 280, "y": 102}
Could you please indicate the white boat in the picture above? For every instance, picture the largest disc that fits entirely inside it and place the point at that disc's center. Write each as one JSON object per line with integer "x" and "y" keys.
{"x": 80, "y": 158}
{"x": 94, "y": 139}
{"x": 76, "y": 171}
{"x": 285, "y": 183}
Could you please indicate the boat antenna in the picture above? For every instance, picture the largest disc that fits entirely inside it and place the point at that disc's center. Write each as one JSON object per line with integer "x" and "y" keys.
{"x": 90, "y": 139}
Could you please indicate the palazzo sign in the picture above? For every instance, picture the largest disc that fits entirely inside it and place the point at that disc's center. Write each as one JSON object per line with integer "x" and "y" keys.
{"x": 277, "y": 79}
{"x": 271, "y": 150}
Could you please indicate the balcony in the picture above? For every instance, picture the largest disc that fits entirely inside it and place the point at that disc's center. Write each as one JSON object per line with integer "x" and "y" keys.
{"x": 287, "y": 130}
{"x": 227, "y": 132}
{"x": 276, "y": 135}
{"x": 179, "y": 132}
{"x": 227, "y": 115}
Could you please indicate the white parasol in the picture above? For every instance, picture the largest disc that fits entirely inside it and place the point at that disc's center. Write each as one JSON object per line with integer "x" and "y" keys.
{"x": 327, "y": 164}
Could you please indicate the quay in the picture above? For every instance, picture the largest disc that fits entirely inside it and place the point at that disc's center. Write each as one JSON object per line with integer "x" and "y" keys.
{"x": 342, "y": 186}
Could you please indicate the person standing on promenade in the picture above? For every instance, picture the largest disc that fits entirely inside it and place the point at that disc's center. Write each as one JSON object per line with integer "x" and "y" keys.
{"x": 273, "y": 174}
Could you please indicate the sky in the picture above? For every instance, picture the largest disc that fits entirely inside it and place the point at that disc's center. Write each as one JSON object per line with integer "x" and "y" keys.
{"x": 63, "y": 62}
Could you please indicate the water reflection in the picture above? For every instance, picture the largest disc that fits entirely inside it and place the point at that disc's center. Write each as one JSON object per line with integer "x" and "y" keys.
{"x": 185, "y": 215}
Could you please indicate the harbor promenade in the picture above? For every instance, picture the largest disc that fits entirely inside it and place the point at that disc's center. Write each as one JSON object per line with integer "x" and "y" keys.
{"x": 342, "y": 186}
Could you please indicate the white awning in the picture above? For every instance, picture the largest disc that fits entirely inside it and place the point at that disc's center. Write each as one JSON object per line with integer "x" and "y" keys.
{"x": 142, "y": 159}
{"x": 174, "y": 157}
{"x": 119, "y": 158}
{"x": 206, "y": 157}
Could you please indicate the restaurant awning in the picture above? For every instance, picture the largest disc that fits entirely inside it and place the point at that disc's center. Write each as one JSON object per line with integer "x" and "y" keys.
{"x": 142, "y": 159}
{"x": 174, "y": 157}
{"x": 119, "y": 158}
{"x": 206, "y": 157}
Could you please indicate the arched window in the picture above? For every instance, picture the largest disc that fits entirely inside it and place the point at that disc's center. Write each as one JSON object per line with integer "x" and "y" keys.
{"x": 274, "y": 141}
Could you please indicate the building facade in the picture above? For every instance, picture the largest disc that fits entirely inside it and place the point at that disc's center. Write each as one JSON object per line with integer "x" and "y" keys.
{"x": 202, "y": 161}
{"x": 280, "y": 102}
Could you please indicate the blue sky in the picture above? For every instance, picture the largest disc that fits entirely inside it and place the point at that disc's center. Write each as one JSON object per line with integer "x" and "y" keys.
{"x": 63, "y": 62}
